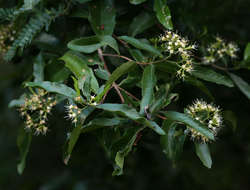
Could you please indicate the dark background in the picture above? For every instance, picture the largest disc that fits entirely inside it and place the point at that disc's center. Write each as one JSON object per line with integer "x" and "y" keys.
{"x": 147, "y": 167}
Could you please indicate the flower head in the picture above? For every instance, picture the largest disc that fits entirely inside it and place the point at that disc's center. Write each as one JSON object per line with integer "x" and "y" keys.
{"x": 174, "y": 44}
{"x": 220, "y": 49}
{"x": 207, "y": 114}
{"x": 35, "y": 111}
{"x": 73, "y": 112}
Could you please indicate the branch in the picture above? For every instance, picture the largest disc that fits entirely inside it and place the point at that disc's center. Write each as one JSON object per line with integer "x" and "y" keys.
{"x": 120, "y": 56}
{"x": 114, "y": 84}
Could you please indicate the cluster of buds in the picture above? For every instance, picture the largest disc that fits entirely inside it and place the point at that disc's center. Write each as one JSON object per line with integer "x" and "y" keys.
{"x": 220, "y": 49}
{"x": 92, "y": 101}
{"x": 35, "y": 111}
{"x": 173, "y": 43}
{"x": 7, "y": 36}
{"x": 207, "y": 114}
{"x": 73, "y": 112}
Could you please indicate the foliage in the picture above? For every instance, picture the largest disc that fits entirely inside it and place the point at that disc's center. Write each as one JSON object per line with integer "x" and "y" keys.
{"x": 117, "y": 78}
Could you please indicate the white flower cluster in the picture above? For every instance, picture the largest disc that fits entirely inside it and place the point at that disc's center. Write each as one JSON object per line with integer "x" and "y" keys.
{"x": 174, "y": 44}
{"x": 35, "y": 111}
{"x": 73, "y": 113}
{"x": 92, "y": 101}
{"x": 7, "y": 35}
{"x": 207, "y": 114}
{"x": 220, "y": 49}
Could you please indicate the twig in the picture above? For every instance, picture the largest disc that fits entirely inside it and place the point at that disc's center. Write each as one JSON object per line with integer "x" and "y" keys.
{"x": 115, "y": 55}
{"x": 132, "y": 96}
{"x": 218, "y": 67}
{"x": 114, "y": 84}
{"x": 128, "y": 93}
{"x": 162, "y": 117}
{"x": 123, "y": 42}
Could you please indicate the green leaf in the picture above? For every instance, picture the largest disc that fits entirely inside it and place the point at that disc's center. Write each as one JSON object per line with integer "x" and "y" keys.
{"x": 103, "y": 122}
{"x": 118, "y": 72}
{"x": 163, "y": 13}
{"x": 137, "y": 55}
{"x": 102, "y": 17}
{"x": 230, "y": 117}
{"x": 23, "y": 143}
{"x": 110, "y": 41}
{"x": 92, "y": 43}
{"x": 247, "y": 52}
{"x": 202, "y": 151}
{"x": 172, "y": 143}
{"x": 79, "y": 66}
{"x": 82, "y": 1}
{"x": 80, "y": 13}
{"x": 132, "y": 114}
{"x": 54, "y": 87}
{"x": 141, "y": 23}
{"x": 38, "y": 68}
{"x": 176, "y": 116}
{"x": 141, "y": 45}
{"x": 241, "y": 84}
{"x": 160, "y": 99}
{"x": 125, "y": 145}
{"x": 200, "y": 85}
{"x": 212, "y": 76}
{"x": 56, "y": 71}
{"x": 148, "y": 83}
{"x": 85, "y": 44}
{"x": 74, "y": 135}
{"x": 102, "y": 74}
{"x": 136, "y": 2}
{"x": 134, "y": 77}
{"x": 17, "y": 102}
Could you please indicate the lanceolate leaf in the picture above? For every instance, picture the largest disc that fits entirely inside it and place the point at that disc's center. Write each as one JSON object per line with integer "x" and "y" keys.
{"x": 172, "y": 143}
{"x": 92, "y": 43}
{"x": 79, "y": 67}
{"x": 141, "y": 45}
{"x": 183, "y": 118}
{"x": 118, "y": 72}
{"x": 241, "y": 84}
{"x": 136, "y": 2}
{"x": 54, "y": 87}
{"x": 148, "y": 83}
{"x": 110, "y": 41}
{"x": 38, "y": 68}
{"x": 160, "y": 99}
{"x": 23, "y": 142}
{"x": 85, "y": 44}
{"x": 125, "y": 145}
{"x": 132, "y": 114}
{"x": 202, "y": 151}
{"x": 74, "y": 135}
{"x": 76, "y": 63}
{"x": 141, "y": 23}
{"x": 212, "y": 76}
{"x": 102, "y": 17}
{"x": 83, "y": 1}
{"x": 230, "y": 117}
{"x": 247, "y": 52}
{"x": 200, "y": 85}
{"x": 103, "y": 122}
{"x": 163, "y": 13}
